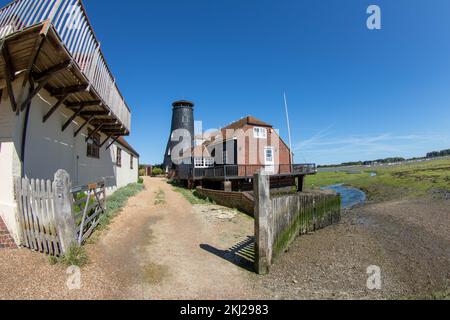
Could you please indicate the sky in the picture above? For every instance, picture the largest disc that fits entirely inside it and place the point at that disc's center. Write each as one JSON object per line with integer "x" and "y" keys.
{"x": 353, "y": 93}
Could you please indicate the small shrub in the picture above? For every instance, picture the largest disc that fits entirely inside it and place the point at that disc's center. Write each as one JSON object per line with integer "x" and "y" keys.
{"x": 193, "y": 196}
{"x": 141, "y": 181}
{"x": 75, "y": 256}
{"x": 157, "y": 171}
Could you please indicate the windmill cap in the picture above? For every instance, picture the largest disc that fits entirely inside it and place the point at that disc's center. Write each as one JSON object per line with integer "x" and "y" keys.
{"x": 183, "y": 103}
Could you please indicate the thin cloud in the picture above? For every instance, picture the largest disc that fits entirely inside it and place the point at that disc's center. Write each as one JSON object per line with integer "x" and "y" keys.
{"x": 365, "y": 147}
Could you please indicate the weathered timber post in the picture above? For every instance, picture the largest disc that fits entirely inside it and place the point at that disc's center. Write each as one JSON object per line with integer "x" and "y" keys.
{"x": 263, "y": 223}
{"x": 64, "y": 218}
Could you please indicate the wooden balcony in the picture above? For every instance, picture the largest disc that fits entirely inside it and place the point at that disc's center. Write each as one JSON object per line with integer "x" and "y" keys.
{"x": 51, "y": 44}
{"x": 232, "y": 172}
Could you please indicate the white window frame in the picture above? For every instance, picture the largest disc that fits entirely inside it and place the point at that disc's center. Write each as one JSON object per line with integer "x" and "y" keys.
{"x": 269, "y": 163}
{"x": 260, "y": 132}
{"x": 203, "y": 162}
{"x": 272, "y": 159}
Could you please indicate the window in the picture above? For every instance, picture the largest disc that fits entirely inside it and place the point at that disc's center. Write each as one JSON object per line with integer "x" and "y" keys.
{"x": 224, "y": 157}
{"x": 119, "y": 158}
{"x": 260, "y": 133}
{"x": 131, "y": 162}
{"x": 203, "y": 162}
{"x": 93, "y": 146}
{"x": 269, "y": 155}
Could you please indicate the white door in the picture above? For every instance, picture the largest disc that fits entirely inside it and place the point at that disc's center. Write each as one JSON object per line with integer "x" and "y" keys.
{"x": 269, "y": 159}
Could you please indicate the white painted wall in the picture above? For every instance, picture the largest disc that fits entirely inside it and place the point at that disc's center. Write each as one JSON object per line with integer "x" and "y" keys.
{"x": 48, "y": 149}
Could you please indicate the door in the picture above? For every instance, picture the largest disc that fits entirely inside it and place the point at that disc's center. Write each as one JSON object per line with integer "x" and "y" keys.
{"x": 269, "y": 159}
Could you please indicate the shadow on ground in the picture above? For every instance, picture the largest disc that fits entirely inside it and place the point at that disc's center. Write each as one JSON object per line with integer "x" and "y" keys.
{"x": 242, "y": 254}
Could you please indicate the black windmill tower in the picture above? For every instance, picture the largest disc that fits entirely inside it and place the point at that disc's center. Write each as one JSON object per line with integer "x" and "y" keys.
{"x": 182, "y": 118}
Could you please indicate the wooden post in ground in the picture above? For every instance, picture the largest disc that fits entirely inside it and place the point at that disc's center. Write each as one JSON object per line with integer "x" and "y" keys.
{"x": 263, "y": 214}
{"x": 64, "y": 218}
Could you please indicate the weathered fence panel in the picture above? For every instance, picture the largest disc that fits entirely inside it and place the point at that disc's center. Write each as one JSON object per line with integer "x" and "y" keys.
{"x": 281, "y": 218}
{"x": 53, "y": 216}
{"x": 36, "y": 215}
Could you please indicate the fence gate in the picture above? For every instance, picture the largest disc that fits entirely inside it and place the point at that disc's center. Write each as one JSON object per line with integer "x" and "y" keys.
{"x": 89, "y": 204}
{"x": 53, "y": 216}
{"x": 36, "y": 215}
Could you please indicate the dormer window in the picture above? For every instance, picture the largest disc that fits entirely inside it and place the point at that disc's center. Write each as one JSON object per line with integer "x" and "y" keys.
{"x": 260, "y": 133}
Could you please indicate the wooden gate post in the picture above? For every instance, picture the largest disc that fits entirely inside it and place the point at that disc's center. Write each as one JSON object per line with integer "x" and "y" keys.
{"x": 263, "y": 223}
{"x": 64, "y": 218}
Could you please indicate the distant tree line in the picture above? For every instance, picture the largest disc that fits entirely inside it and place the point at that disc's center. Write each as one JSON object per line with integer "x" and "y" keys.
{"x": 434, "y": 154}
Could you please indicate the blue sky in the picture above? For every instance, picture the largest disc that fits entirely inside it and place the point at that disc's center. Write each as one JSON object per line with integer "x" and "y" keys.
{"x": 354, "y": 94}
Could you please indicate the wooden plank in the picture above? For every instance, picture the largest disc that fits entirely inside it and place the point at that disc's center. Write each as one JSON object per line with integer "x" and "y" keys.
{"x": 47, "y": 221}
{"x": 84, "y": 104}
{"x": 69, "y": 90}
{"x": 97, "y": 129}
{"x": 54, "y": 108}
{"x": 76, "y": 114}
{"x": 50, "y": 190}
{"x": 19, "y": 197}
{"x": 9, "y": 76}
{"x": 34, "y": 214}
{"x": 83, "y": 125}
{"x": 40, "y": 212}
{"x": 28, "y": 200}
{"x": 24, "y": 190}
{"x": 52, "y": 71}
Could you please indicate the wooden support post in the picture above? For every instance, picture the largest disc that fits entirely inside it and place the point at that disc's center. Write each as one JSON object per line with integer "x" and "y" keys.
{"x": 112, "y": 142}
{"x": 83, "y": 125}
{"x": 9, "y": 76}
{"x": 64, "y": 127}
{"x": 106, "y": 140}
{"x": 64, "y": 216}
{"x": 94, "y": 132}
{"x": 300, "y": 183}
{"x": 52, "y": 71}
{"x": 69, "y": 90}
{"x": 43, "y": 78}
{"x": 263, "y": 223}
{"x": 54, "y": 108}
{"x": 34, "y": 54}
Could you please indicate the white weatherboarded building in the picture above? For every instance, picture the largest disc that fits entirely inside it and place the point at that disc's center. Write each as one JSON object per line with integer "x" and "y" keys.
{"x": 60, "y": 107}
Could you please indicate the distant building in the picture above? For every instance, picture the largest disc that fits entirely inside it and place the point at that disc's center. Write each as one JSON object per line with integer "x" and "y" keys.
{"x": 229, "y": 157}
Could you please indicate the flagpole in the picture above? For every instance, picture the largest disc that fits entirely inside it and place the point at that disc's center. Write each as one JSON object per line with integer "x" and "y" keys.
{"x": 289, "y": 132}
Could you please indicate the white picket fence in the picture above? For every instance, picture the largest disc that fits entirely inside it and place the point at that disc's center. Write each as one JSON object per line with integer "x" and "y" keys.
{"x": 36, "y": 213}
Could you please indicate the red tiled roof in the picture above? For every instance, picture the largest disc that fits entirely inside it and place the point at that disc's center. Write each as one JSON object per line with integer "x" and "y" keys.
{"x": 247, "y": 120}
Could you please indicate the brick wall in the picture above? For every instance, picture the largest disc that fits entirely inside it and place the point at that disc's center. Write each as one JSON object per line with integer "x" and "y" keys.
{"x": 242, "y": 201}
{"x": 6, "y": 241}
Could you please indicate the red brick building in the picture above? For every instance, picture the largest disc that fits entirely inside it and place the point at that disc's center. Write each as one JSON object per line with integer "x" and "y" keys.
{"x": 229, "y": 157}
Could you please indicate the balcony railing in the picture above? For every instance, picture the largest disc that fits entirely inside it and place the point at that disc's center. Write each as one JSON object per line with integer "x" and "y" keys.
{"x": 70, "y": 20}
{"x": 233, "y": 171}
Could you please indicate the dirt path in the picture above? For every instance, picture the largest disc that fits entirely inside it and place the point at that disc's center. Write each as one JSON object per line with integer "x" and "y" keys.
{"x": 164, "y": 249}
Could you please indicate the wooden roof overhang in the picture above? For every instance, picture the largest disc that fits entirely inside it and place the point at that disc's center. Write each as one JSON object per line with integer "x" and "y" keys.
{"x": 38, "y": 54}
